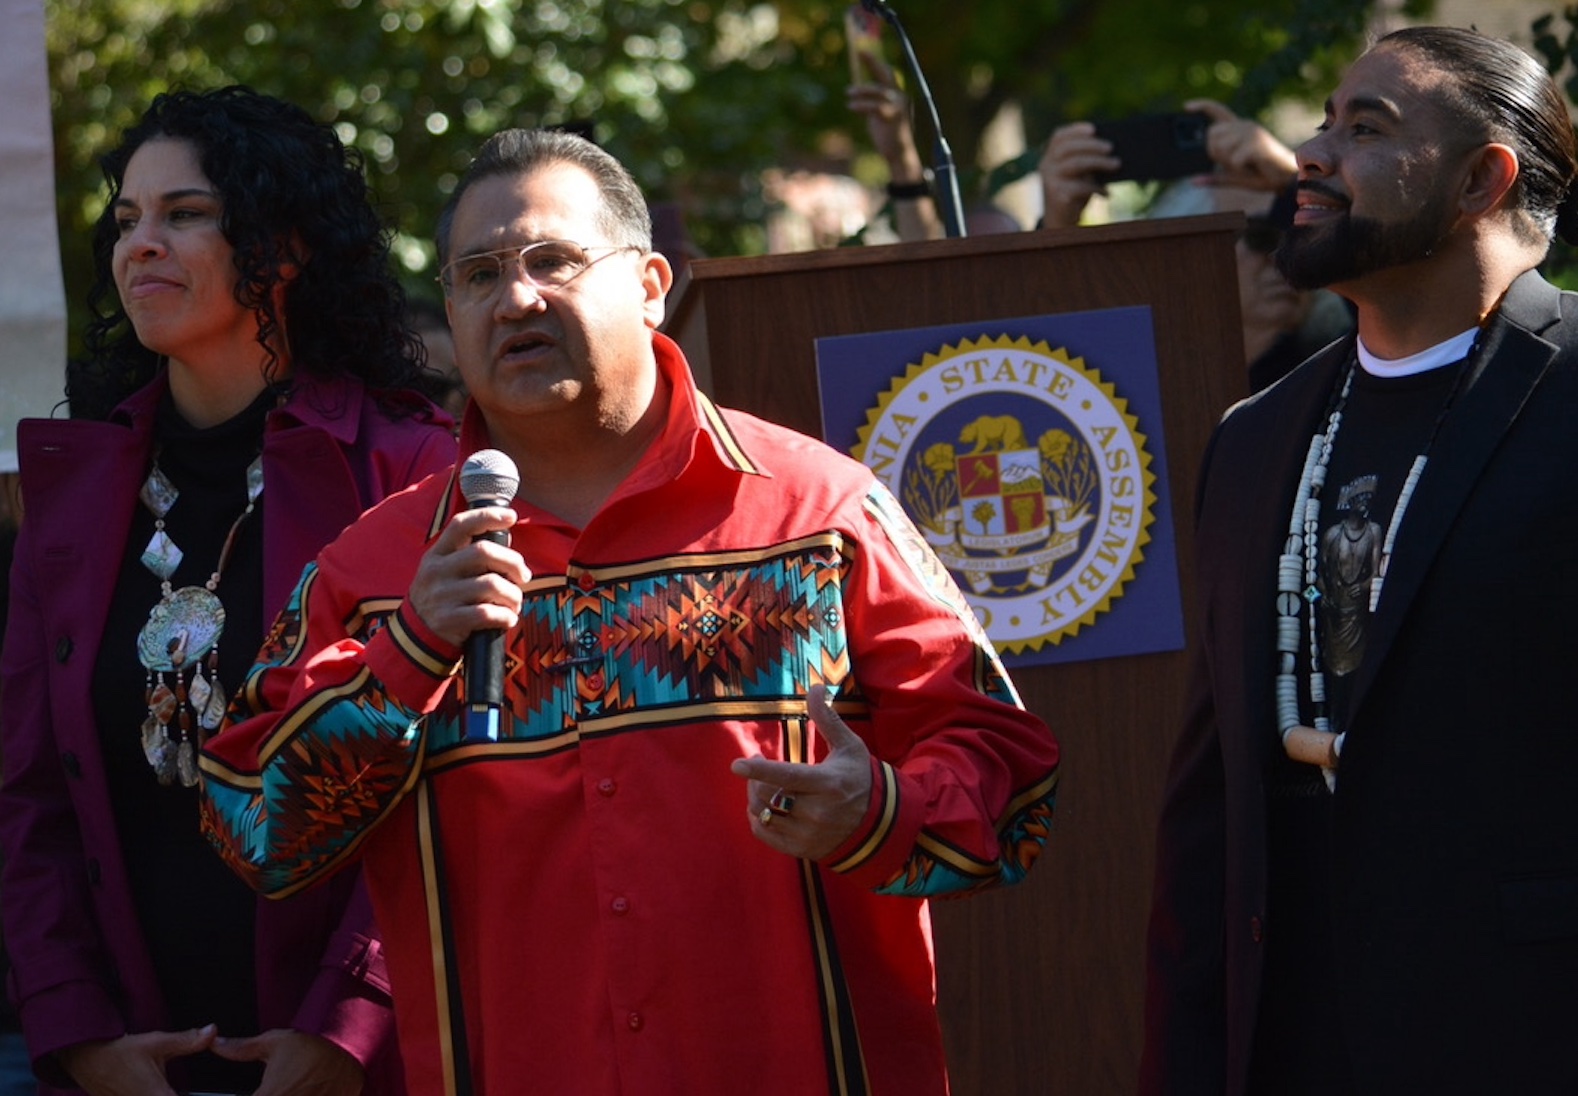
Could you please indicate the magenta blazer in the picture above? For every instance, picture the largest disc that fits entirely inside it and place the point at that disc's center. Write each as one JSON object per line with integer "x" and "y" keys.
{"x": 79, "y": 967}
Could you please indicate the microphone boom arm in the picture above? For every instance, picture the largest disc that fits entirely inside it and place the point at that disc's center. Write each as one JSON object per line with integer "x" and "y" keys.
{"x": 945, "y": 180}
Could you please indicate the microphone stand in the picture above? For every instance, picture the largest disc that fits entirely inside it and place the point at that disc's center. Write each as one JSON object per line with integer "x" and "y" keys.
{"x": 945, "y": 180}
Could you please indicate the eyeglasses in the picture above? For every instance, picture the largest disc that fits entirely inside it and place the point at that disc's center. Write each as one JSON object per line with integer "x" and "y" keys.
{"x": 1261, "y": 235}
{"x": 548, "y": 264}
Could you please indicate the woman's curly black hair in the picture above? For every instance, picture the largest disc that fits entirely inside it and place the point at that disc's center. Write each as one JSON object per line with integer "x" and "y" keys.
{"x": 292, "y": 193}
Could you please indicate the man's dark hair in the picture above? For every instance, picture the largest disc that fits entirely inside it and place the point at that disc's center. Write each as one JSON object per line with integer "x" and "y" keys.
{"x": 1505, "y": 92}
{"x": 624, "y": 218}
{"x": 292, "y": 195}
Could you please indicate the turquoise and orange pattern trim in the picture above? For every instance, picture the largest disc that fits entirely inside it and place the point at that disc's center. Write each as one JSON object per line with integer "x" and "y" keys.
{"x": 715, "y": 637}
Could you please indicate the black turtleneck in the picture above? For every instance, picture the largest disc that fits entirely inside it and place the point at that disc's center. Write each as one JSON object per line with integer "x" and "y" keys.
{"x": 196, "y": 916}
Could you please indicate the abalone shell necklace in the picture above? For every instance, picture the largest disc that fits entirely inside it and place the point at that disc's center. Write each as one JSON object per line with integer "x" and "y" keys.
{"x": 179, "y": 645}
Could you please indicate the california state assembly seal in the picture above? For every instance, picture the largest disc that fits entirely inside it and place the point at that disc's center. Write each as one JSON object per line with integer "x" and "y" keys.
{"x": 1028, "y": 476}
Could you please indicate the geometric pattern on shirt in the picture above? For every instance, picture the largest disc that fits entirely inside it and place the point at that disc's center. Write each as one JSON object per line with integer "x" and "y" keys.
{"x": 599, "y": 651}
{"x": 695, "y": 637}
{"x": 735, "y": 635}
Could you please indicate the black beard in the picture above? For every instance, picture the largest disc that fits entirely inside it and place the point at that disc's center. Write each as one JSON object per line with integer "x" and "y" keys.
{"x": 1316, "y": 256}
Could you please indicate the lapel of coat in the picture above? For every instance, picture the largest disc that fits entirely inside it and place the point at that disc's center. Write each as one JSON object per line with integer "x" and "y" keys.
{"x": 79, "y": 484}
{"x": 1511, "y": 363}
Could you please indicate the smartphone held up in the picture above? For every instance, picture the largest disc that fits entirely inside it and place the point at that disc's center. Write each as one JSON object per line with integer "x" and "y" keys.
{"x": 1158, "y": 146}
{"x": 863, "y": 34}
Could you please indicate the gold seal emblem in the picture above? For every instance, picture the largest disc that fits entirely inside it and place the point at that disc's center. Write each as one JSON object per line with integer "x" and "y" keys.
{"x": 1028, "y": 476}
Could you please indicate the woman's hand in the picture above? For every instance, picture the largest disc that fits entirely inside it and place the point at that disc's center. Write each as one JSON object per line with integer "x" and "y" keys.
{"x": 296, "y": 1063}
{"x": 132, "y": 1065}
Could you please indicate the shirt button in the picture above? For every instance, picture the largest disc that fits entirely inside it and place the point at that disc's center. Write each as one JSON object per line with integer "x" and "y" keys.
{"x": 621, "y": 906}
{"x": 69, "y": 762}
{"x": 606, "y": 787}
{"x": 635, "y": 1021}
{"x": 586, "y": 580}
{"x": 63, "y": 649}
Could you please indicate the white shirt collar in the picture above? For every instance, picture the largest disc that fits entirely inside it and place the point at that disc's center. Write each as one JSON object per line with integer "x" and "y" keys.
{"x": 1433, "y": 357}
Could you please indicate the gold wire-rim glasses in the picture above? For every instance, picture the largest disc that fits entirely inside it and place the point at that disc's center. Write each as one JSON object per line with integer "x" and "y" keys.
{"x": 546, "y": 264}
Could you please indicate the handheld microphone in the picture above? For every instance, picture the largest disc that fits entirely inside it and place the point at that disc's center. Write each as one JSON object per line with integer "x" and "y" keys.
{"x": 944, "y": 177}
{"x": 488, "y": 478}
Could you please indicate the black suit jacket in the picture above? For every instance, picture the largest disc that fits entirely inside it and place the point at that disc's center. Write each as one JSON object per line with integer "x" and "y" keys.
{"x": 1455, "y": 839}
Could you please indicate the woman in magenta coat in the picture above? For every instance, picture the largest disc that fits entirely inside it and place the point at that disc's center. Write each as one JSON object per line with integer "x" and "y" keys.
{"x": 249, "y": 388}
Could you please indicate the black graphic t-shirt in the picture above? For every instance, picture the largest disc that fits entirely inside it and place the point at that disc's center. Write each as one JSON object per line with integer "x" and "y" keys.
{"x": 1388, "y": 422}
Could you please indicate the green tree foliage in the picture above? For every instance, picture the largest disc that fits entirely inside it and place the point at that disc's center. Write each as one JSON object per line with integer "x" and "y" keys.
{"x": 1068, "y": 59}
{"x": 1556, "y": 42}
{"x": 697, "y": 96}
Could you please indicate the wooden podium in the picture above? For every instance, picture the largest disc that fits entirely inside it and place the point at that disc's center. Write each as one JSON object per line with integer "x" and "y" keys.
{"x": 1040, "y": 986}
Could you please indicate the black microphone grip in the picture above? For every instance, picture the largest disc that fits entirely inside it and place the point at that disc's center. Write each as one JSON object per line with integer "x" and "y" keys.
{"x": 484, "y": 654}
{"x": 488, "y": 478}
